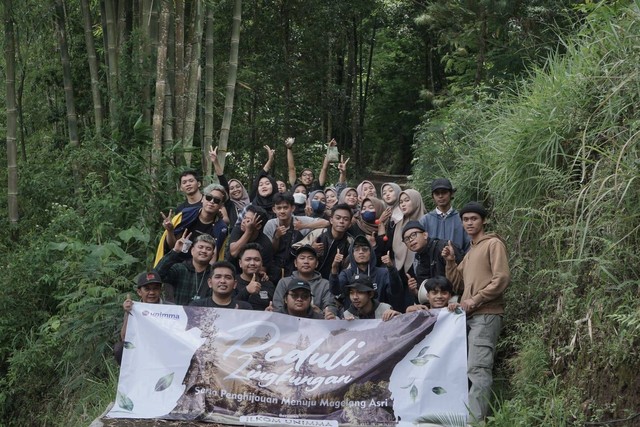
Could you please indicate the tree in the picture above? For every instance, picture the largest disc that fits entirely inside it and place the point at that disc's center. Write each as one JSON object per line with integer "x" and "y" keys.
{"x": 12, "y": 115}
{"x": 161, "y": 74}
{"x": 93, "y": 65}
{"x": 231, "y": 82}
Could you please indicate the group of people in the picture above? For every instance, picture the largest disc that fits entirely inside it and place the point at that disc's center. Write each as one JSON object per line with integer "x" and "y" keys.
{"x": 333, "y": 252}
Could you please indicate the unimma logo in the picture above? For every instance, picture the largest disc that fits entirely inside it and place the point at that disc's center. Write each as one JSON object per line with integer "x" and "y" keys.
{"x": 161, "y": 315}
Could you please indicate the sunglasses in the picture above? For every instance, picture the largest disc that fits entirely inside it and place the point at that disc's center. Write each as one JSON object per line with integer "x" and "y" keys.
{"x": 212, "y": 199}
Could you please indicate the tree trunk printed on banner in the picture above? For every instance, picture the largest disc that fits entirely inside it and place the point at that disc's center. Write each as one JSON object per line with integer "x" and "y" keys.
{"x": 231, "y": 82}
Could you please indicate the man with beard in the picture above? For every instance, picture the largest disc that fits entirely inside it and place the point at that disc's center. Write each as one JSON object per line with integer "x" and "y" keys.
{"x": 223, "y": 284}
{"x": 186, "y": 279}
{"x": 363, "y": 302}
{"x": 190, "y": 186}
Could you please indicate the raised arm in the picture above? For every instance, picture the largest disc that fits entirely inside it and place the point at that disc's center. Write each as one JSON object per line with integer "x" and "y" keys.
{"x": 322, "y": 179}
{"x": 291, "y": 165}
{"x": 271, "y": 154}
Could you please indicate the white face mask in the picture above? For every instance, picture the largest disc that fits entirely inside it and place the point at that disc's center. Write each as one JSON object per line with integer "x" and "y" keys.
{"x": 299, "y": 198}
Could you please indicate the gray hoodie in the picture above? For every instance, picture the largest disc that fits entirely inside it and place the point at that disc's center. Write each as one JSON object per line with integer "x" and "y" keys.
{"x": 320, "y": 292}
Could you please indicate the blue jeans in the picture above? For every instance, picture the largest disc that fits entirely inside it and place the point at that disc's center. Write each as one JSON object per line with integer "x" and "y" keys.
{"x": 482, "y": 336}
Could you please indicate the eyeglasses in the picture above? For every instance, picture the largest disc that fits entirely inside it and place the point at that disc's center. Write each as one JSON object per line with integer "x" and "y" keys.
{"x": 411, "y": 237}
{"x": 212, "y": 199}
{"x": 300, "y": 295}
{"x": 361, "y": 249}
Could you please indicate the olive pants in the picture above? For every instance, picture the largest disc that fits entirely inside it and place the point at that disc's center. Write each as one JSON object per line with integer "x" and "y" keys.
{"x": 482, "y": 336}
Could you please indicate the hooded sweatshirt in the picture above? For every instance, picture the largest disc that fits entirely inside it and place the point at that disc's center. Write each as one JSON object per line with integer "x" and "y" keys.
{"x": 386, "y": 280}
{"x": 446, "y": 228}
{"x": 483, "y": 274}
{"x": 321, "y": 295}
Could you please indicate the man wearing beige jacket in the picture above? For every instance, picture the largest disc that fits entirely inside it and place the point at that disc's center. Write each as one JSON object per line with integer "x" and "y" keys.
{"x": 482, "y": 277}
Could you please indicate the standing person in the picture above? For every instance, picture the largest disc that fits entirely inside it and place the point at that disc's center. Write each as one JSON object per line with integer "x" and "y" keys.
{"x": 284, "y": 230}
{"x": 317, "y": 205}
{"x": 368, "y": 222}
{"x": 366, "y": 189}
{"x": 334, "y": 238}
{"x": 223, "y": 284}
{"x": 251, "y": 230}
{"x": 307, "y": 176}
{"x": 444, "y": 222}
{"x": 391, "y": 197}
{"x": 482, "y": 276}
{"x": 149, "y": 289}
{"x": 238, "y": 195}
{"x": 428, "y": 261}
{"x": 186, "y": 279}
{"x": 190, "y": 183}
{"x": 197, "y": 221}
{"x": 252, "y": 284}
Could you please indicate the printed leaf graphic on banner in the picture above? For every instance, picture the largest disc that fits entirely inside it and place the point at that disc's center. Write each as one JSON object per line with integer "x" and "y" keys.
{"x": 124, "y": 402}
{"x": 129, "y": 345}
{"x": 438, "y": 390}
{"x": 423, "y": 351}
{"x": 164, "y": 382}
{"x": 413, "y": 393}
{"x": 409, "y": 385}
{"x": 421, "y": 361}
{"x": 458, "y": 310}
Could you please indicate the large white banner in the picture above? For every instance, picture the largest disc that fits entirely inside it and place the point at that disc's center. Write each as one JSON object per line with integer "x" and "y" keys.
{"x": 258, "y": 368}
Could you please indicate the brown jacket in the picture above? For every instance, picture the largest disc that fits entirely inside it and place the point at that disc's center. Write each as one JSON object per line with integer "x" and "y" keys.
{"x": 483, "y": 274}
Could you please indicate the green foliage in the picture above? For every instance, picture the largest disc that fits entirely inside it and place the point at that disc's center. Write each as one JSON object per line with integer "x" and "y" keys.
{"x": 557, "y": 160}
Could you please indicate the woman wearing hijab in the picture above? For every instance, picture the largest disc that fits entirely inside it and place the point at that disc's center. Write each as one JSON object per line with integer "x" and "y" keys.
{"x": 390, "y": 196}
{"x": 350, "y": 196}
{"x": 317, "y": 205}
{"x": 366, "y": 189}
{"x": 365, "y": 224}
{"x": 412, "y": 208}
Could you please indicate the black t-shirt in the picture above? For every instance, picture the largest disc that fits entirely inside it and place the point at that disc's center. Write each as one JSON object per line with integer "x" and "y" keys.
{"x": 209, "y": 302}
{"x": 184, "y": 205}
{"x": 258, "y": 301}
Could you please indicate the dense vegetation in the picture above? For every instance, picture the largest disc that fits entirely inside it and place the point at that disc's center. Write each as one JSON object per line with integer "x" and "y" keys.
{"x": 532, "y": 108}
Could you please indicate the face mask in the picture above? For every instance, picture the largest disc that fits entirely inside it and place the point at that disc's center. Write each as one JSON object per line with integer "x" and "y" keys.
{"x": 318, "y": 206}
{"x": 368, "y": 216}
{"x": 299, "y": 198}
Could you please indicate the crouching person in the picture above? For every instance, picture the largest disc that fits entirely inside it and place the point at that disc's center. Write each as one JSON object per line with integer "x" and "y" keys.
{"x": 297, "y": 302}
{"x": 363, "y": 302}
